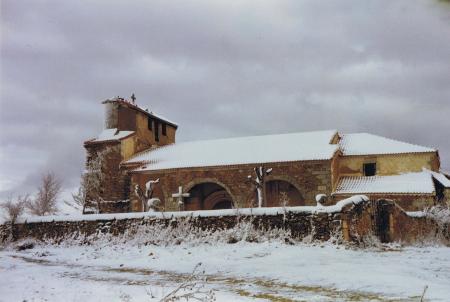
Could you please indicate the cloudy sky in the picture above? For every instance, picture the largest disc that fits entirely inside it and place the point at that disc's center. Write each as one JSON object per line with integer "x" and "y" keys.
{"x": 219, "y": 69}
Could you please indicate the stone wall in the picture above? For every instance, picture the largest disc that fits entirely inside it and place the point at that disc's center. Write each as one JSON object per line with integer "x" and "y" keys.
{"x": 309, "y": 177}
{"x": 388, "y": 222}
{"x": 354, "y": 223}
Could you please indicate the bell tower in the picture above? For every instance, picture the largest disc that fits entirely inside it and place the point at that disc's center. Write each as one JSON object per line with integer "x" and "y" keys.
{"x": 128, "y": 129}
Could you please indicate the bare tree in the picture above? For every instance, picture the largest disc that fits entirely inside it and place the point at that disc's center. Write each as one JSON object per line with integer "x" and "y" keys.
{"x": 13, "y": 209}
{"x": 78, "y": 200}
{"x": 45, "y": 202}
{"x": 89, "y": 193}
{"x": 260, "y": 183}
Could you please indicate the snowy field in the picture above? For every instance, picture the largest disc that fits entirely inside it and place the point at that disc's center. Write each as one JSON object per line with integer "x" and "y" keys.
{"x": 269, "y": 271}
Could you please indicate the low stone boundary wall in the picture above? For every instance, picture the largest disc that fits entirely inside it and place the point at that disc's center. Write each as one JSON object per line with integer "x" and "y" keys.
{"x": 355, "y": 219}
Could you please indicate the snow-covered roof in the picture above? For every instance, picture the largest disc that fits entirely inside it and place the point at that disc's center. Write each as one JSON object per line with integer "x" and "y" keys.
{"x": 111, "y": 135}
{"x": 241, "y": 150}
{"x": 367, "y": 144}
{"x": 411, "y": 183}
{"x": 440, "y": 177}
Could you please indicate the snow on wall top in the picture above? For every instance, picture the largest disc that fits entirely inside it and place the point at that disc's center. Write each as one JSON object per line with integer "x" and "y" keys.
{"x": 204, "y": 213}
{"x": 111, "y": 135}
{"x": 412, "y": 183}
{"x": 366, "y": 144}
{"x": 241, "y": 150}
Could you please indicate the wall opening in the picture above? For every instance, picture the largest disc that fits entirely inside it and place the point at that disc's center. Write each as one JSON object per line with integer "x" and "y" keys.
{"x": 281, "y": 193}
{"x": 208, "y": 196}
{"x": 370, "y": 169}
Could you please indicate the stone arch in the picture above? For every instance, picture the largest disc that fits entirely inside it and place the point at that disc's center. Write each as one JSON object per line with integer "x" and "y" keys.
{"x": 286, "y": 178}
{"x": 280, "y": 189}
{"x": 208, "y": 194}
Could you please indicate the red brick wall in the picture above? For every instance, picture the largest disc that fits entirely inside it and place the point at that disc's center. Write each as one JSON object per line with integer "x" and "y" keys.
{"x": 126, "y": 118}
{"x": 309, "y": 177}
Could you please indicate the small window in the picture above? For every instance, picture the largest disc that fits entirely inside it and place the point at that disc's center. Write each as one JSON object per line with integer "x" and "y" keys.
{"x": 164, "y": 129}
{"x": 370, "y": 169}
{"x": 156, "y": 131}
{"x": 150, "y": 124}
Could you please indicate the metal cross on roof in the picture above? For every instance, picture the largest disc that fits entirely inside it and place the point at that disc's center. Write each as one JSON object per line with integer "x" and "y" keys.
{"x": 133, "y": 98}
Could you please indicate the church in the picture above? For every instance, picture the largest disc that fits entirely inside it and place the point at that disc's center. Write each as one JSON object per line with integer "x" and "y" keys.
{"x": 269, "y": 171}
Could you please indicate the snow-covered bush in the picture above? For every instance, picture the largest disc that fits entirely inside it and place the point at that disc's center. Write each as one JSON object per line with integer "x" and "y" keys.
{"x": 441, "y": 215}
{"x": 180, "y": 231}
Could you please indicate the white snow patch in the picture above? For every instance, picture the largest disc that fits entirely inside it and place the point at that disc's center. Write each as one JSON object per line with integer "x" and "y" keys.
{"x": 416, "y": 214}
{"x": 111, "y": 134}
{"x": 105, "y": 272}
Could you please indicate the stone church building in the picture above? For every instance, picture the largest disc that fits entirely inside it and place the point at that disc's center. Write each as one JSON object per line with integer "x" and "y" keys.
{"x": 221, "y": 173}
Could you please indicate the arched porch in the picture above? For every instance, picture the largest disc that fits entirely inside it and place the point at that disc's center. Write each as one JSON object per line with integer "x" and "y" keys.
{"x": 208, "y": 196}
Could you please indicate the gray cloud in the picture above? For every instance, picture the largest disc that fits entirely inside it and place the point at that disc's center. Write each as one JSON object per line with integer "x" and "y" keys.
{"x": 218, "y": 69}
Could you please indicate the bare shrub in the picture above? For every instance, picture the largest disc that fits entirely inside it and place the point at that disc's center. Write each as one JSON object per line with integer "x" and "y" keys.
{"x": 13, "y": 209}
{"x": 192, "y": 288}
{"x": 46, "y": 199}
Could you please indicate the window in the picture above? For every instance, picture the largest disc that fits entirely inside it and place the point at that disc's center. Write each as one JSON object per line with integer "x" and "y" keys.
{"x": 156, "y": 131}
{"x": 150, "y": 124}
{"x": 164, "y": 129}
{"x": 370, "y": 169}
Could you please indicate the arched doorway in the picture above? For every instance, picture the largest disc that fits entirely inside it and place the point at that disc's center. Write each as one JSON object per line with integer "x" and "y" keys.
{"x": 208, "y": 196}
{"x": 281, "y": 192}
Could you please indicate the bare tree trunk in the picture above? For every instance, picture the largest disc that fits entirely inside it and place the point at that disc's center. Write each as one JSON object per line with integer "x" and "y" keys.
{"x": 260, "y": 196}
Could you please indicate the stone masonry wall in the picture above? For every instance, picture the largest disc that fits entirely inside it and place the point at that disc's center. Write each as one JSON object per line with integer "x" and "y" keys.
{"x": 355, "y": 223}
{"x": 309, "y": 177}
{"x": 115, "y": 184}
{"x": 300, "y": 224}
{"x": 385, "y": 220}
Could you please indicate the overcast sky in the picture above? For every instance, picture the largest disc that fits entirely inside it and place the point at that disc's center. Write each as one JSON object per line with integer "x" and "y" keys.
{"x": 219, "y": 69}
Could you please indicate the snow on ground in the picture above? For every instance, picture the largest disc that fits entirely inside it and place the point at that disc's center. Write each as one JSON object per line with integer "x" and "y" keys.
{"x": 235, "y": 272}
